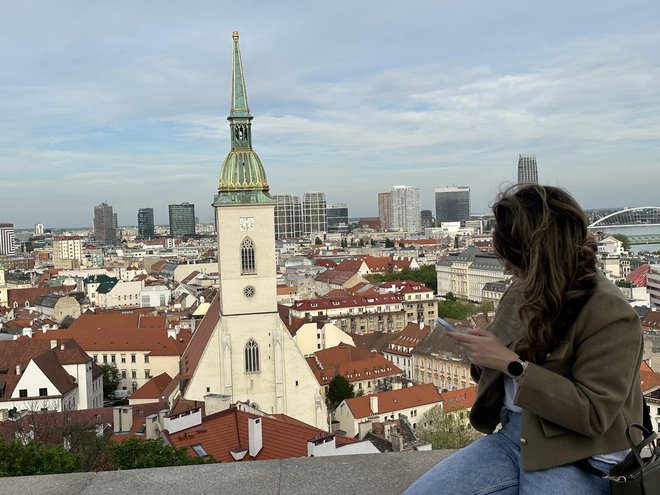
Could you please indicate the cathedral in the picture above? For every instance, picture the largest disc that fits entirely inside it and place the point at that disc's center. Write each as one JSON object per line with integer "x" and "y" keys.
{"x": 241, "y": 349}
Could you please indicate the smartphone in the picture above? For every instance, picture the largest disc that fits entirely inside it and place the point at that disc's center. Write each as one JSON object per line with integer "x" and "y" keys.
{"x": 447, "y": 325}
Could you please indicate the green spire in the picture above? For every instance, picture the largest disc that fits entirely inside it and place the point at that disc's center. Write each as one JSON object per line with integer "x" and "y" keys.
{"x": 242, "y": 177}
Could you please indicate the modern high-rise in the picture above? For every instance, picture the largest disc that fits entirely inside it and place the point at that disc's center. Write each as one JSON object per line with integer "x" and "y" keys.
{"x": 182, "y": 220}
{"x": 385, "y": 210}
{"x": 337, "y": 215}
{"x": 104, "y": 227}
{"x": 406, "y": 210}
{"x": 39, "y": 229}
{"x": 146, "y": 223}
{"x": 452, "y": 204}
{"x": 527, "y": 169}
{"x": 288, "y": 216}
{"x": 427, "y": 219}
{"x": 7, "y": 241}
{"x": 315, "y": 220}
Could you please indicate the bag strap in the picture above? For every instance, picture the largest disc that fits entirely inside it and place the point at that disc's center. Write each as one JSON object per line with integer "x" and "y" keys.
{"x": 649, "y": 439}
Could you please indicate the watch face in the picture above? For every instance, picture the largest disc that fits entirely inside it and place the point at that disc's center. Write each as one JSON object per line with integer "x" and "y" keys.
{"x": 249, "y": 291}
{"x": 515, "y": 368}
{"x": 246, "y": 224}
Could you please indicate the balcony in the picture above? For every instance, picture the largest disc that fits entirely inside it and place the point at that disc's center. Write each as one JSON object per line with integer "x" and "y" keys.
{"x": 382, "y": 474}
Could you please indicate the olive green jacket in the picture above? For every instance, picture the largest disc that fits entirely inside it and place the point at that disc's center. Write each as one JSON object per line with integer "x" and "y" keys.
{"x": 579, "y": 401}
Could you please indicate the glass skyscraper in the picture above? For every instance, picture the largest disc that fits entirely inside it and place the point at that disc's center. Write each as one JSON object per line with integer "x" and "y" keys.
{"x": 146, "y": 223}
{"x": 452, "y": 204}
{"x": 104, "y": 224}
{"x": 288, "y": 216}
{"x": 337, "y": 215}
{"x": 182, "y": 220}
{"x": 314, "y": 213}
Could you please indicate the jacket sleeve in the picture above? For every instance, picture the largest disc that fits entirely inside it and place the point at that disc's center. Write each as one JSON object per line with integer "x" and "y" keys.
{"x": 585, "y": 380}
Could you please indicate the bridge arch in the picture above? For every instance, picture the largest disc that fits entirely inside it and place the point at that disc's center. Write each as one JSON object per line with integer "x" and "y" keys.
{"x": 641, "y": 215}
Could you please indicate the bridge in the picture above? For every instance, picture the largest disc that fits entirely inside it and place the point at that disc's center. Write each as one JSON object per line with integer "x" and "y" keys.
{"x": 646, "y": 218}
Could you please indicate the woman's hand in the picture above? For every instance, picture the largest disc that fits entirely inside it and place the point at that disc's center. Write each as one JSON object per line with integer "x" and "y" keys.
{"x": 484, "y": 349}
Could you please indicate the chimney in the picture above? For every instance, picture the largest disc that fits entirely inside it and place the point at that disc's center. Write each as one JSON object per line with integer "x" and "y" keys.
{"x": 363, "y": 428}
{"x": 255, "y": 437}
{"x": 373, "y": 403}
{"x": 397, "y": 442}
{"x": 122, "y": 419}
{"x": 53, "y": 343}
{"x": 214, "y": 403}
{"x": 18, "y": 369}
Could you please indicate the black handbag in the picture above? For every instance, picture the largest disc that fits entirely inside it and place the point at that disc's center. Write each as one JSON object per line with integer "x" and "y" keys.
{"x": 639, "y": 472}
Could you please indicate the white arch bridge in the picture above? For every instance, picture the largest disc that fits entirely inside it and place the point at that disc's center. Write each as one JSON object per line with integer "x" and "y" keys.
{"x": 642, "y": 218}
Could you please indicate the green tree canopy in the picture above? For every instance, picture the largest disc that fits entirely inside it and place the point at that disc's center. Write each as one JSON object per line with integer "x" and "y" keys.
{"x": 110, "y": 378}
{"x": 425, "y": 274}
{"x": 389, "y": 243}
{"x": 445, "y": 430}
{"x": 18, "y": 459}
{"x": 136, "y": 453}
{"x": 458, "y": 309}
{"x": 339, "y": 389}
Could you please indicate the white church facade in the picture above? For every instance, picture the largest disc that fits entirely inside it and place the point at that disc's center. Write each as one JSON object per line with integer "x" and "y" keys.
{"x": 242, "y": 349}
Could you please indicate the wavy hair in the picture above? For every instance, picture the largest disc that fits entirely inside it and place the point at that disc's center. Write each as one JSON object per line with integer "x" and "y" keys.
{"x": 541, "y": 235}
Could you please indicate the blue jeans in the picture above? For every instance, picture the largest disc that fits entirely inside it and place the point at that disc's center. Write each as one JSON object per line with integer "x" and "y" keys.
{"x": 492, "y": 465}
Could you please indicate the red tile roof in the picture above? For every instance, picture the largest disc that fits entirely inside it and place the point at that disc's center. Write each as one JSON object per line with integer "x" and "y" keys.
{"x": 116, "y": 331}
{"x": 651, "y": 321}
{"x": 650, "y": 379}
{"x": 462, "y": 398}
{"x": 193, "y": 353}
{"x": 154, "y": 388}
{"x": 395, "y": 400}
{"x": 222, "y": 432}
{"x": 346, "y": 302}
{"x": 638, "y": 277}
{"x": 408, "y": 338}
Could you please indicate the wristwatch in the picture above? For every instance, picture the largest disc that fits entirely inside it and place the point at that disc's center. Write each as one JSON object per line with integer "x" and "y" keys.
{"x": 515, "y": 369}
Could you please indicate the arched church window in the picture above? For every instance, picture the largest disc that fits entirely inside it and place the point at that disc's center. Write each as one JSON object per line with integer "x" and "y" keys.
{"x": 252, "y": 356}
{"x": 248, "y": 261}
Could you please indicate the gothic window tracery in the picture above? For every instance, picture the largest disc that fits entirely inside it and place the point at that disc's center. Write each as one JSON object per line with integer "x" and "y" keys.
{"x": 248, "y": 260}
{"x": 252, "y": 357}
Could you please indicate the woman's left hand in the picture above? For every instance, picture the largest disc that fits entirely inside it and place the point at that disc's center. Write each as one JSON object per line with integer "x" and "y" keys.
{"x": 484, "y": 349}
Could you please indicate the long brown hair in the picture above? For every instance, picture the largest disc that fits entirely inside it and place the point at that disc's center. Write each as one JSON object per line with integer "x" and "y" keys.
{"x": 541, "y": 235}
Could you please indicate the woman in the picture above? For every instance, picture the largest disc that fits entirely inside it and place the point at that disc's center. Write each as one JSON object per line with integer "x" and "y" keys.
{"x": 558, "y": 368}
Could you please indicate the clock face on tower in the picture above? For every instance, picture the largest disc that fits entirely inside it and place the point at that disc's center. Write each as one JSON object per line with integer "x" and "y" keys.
{"x": 246, "y": 224}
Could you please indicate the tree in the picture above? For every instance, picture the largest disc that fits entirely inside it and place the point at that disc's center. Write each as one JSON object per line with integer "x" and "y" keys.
{"x": 458, "y": 309}
{"x": 136, "y": 453}
{"x": 624, "y": 240}
{"x": 110, "y": 378}
{"x": 446, "y": 430}
{"x": 318, "y": 241}
{"x": 456, "y": 242}
{"x": 425, "y": 274}
{"x": 339, "y": 389}
{"x": 389, "y": 243}
{"x": 19, "y": 459}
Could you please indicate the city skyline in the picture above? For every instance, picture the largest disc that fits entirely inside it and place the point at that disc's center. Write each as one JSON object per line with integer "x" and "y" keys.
{"x": 98, "y": 104}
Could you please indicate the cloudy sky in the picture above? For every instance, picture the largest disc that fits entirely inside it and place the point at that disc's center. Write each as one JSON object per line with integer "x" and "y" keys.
{"x": 126, "y": 101}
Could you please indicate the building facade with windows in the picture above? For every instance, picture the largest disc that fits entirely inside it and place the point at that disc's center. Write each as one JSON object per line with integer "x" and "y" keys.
{"x": 527, "y": 169}
{"x": 67, "y": 252}
{"x": 385, "y": 210}
{"x": 406, "y": 210}
{"x": 7, "y": 239}
{"x": 182, "y": 219}
{"x": 337, "y": 216}
{"x": 146, "y": 223}
{"x": 314, "y": 210}
{"x": 452, "y": 204}
{"x": 104, "y": 224}
{"x": 288, "y": 216}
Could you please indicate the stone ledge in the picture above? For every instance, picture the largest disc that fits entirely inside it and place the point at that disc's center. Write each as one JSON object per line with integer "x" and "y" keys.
{"x": 381, "y": 474}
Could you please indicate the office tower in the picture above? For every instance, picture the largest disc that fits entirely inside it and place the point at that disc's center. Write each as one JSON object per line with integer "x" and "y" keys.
{"x": 7, "y": 241}
{"x": 427, "y": 219}
{"x": 288, "y": 216}
{"x": 314, "y": 213}
{"x": 385, "y": 210}
{"x": 146, "y": 223}
{"x": 337, "y": 215}
{"x": 406, "y": 212}
{"x": 67, "y": 252}
{"x": 527, "y": 170}
{"x": 452, "y": 204}
{"x": 182, "y": 220}
{"x": 104, "y": 230}
{"x": 38, "y": 229}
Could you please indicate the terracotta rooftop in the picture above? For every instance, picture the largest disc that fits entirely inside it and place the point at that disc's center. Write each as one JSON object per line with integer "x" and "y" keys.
{"x": 638, "y": 276}
{"x": 346, "y": 302}
{"x": 222, "y": 432}
{"x": 154, "y": 388}
{"x": 395, "y": 400}
{"x": 193, "y": 353}
{"x": 409, "y": 338}
{"x": 462, "y": 398}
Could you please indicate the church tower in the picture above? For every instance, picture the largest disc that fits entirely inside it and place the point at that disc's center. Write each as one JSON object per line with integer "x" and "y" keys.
{"x": 246, "y": 351}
